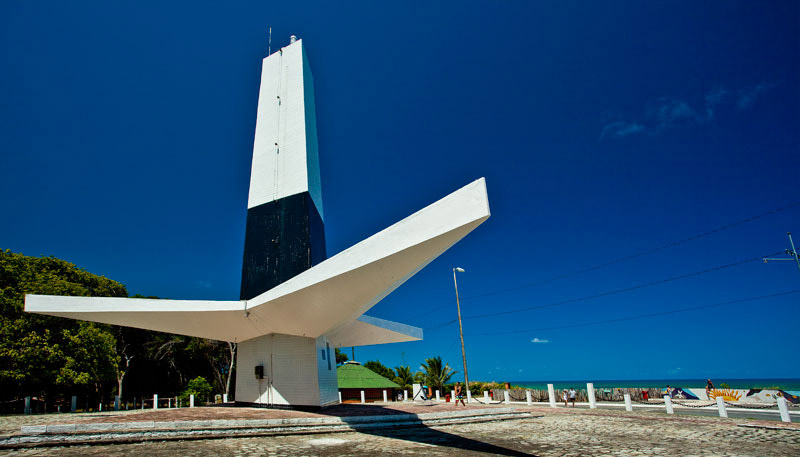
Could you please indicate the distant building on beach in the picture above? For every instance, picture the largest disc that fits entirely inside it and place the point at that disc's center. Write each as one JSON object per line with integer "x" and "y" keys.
{"x": 353, "y": 378}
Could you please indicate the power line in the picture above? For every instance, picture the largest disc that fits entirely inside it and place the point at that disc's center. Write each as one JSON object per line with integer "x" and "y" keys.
{"x": 640, "y": 254}
{"x": 610, "y": 292}
{"x": 644, "y": 316}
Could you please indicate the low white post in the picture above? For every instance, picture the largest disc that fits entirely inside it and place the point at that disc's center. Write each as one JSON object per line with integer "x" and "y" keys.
{"x": 437, "y": 395}
{"x": 385, "y": 397}
{"x": 628, "y": 405}
{"x": 74, "y": 405}
{"x": 224, "y": 398}
{"x": 590, "y": 394}
{"x": 486, "y": 396}
{"x": 453, "y": 396}
{"x": 528, "y": 397}
{"x": 340, "y": 397}
{"x": 116, "y": 402}
{"x": 191, "y": 401}
{"x": 469, "y": 396}
{"x": 721, "y": 407}
{"x": 363, "y": 400}
{"x": 551, "y": 393}
{"x": 506, "y": 397}
{"x": 100, "y": 407}
{"x": 155, "y": 401}
{"x": 668, "y": 403}
{"x": 27, "y": 405}
{"x": 784, "y": 409}
{"x": 405, "y": 394}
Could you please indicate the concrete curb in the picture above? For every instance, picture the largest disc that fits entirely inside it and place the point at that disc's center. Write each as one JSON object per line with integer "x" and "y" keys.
{"x": 118, "y": 433}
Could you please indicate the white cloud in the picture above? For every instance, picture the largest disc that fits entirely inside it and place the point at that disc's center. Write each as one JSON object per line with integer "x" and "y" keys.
{"x": 620, "y": 129}
{"x": 748, "y": 95}
{"x": 537, "y": 340}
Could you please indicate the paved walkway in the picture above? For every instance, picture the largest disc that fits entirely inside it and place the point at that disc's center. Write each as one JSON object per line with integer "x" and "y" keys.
{"x": 560, "y": 432}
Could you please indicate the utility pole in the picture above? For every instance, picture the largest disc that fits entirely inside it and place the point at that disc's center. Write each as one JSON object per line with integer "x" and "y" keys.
{"x": 792, "y": 253}
{"x": 461, "y": 329}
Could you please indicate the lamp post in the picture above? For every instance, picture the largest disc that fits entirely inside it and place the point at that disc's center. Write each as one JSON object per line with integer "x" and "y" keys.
{"x": 460, "y": 328}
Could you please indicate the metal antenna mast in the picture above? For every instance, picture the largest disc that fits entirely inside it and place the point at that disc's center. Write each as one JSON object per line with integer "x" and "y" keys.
{"x": 792, "y": 253}
{"x": 269, "y": 47}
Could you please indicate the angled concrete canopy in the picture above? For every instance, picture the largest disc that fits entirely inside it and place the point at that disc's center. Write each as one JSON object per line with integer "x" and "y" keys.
{"x": 295, "y": 303}
{"x": 325, "y": 299}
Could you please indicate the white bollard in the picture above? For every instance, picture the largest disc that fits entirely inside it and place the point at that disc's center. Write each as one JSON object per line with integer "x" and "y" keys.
{"x": 552, "y": 394}
{"x": 169, "y": 403}
{"x": 155, "y": 401}
{"x": 74, "y": 405}
{"x": 784, "y": 409}
{"x": 721, "y": 407}
{"x": 191, "y": 401}
{"x": 363, "y": 400}
{"x": 486, "y": 396}
{"x": 27, "y": 405}
{"x": 340, "y": 397}
{"x": 628, "y": 405}
{"x": 116, "y": 402}
{"x": 224, "y": 398}
{"x": 385, "y": 399}
{"x": 469, "y": 396}
{"x": 506, "y": 397}
{"x": 590, "y": 394}
{"x": 437, "y": 395}
{"x": 528, "y": 397}
{"x": 405, "y": 395}
{"x": 453, "y": 396}
{"x": 100, "y": 407}
{"x": 668, "y": 404}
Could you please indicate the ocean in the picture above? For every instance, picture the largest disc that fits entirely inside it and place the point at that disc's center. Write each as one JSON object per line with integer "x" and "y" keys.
{"x": 784, "y": 384}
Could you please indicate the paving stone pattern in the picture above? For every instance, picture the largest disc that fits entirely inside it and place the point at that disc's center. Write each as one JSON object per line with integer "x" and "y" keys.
{"x": 557, "y": 433}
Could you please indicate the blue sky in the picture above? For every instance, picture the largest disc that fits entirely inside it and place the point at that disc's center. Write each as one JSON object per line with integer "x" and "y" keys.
{"x": 603, "y": 130}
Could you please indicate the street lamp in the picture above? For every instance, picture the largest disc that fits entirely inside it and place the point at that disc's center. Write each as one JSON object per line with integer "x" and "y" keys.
{"x": 460, "y": 328}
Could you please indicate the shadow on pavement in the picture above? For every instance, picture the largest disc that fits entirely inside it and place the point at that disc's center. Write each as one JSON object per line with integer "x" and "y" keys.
{"x": 417, "y": 433}
{"x": 426, "y": 435}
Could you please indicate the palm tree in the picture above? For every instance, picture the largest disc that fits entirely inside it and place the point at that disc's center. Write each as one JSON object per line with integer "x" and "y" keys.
{"x": 435, "y": 373}
{"x": 404, "y": 376}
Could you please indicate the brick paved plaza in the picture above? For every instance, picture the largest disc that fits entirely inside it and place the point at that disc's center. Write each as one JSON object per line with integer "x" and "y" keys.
{"x": 552, "y": 433}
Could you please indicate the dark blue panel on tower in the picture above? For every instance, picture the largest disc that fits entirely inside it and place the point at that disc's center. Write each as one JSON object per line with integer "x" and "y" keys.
{"x": 283, "y": 238}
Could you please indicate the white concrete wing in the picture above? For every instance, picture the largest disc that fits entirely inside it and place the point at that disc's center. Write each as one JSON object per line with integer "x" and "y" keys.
{"x": 368, "y": 330}
{"x": 343, "y": 287}
{"x": 327, "y": 299}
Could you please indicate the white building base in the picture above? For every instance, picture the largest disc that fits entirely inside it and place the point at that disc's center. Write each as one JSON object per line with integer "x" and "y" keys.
{"x": 298, "y": 372}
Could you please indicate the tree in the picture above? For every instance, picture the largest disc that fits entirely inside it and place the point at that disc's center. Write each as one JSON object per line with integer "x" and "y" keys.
{"x": 198, "y": 387}
{"x": 380, "y": 368}
{"x": 435, "y": 373}
{"x": 341, "y": 357}
{"x": 404, "y": 376}
{"x": 90, "y": 358}
{"x": 40, "y": 354}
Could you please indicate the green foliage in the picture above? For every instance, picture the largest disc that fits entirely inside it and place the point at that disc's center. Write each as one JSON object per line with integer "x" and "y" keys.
{"x": 341, "y": 357}
{"x": 724, "y": 385}
{"x": 435, "y": 373}
{"x": 404, "y": 377}
{"x": 90, "y": 356}
{"x": 42, "y": 353}
{"x": 198, "y": 387}
{"x": 380, "y": 368}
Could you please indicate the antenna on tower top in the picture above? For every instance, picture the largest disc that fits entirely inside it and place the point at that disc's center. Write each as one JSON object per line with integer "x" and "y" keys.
{"x": 269, "y": 47}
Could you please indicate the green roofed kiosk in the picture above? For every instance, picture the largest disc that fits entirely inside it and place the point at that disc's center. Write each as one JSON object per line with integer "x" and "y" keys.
{"x": 353, "y": 378}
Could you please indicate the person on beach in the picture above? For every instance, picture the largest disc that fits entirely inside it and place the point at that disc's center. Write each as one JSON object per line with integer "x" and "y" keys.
{"x": 459, "y": 394}
{"x": 709, "y": 388}
{"x": 572, "y": 395}
{"x": 668, "y": 391}
{"x": 564, "y": 397}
